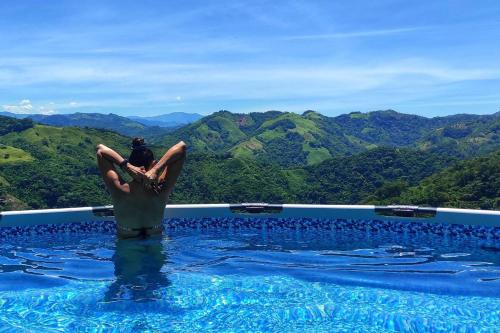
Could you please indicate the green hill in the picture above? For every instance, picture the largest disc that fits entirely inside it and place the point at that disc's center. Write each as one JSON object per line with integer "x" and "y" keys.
{"x": 353, "y": 179}
{"x": 9, "y": 124}
{"x": 384, "y": 128}
{"x": 286, "y": 139}
{"x": 119, "y": 124}
{"x": 54, "y": 166}
{"x": 219, "y": 179}
{"x": 240, "y": 161}
{"x": 466, "y": 138}
{"x": 470, "y": 184}
{"x": 290, "y": 139}
{"x": 9, "y": 155}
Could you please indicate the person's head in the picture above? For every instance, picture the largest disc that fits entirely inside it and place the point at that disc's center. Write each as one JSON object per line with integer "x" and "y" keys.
{"x": 141, "y": 155}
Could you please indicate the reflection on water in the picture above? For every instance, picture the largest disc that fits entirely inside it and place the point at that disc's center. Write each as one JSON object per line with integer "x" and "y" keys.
{"x": 138, "y": 270}
{"x": 215, "y": 280}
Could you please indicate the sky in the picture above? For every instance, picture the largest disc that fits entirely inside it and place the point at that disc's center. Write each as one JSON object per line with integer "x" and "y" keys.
{"x": 430, "y": 58}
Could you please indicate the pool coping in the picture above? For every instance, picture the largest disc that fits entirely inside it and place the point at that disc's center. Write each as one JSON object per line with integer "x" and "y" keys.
{"x": 413, "y": 214}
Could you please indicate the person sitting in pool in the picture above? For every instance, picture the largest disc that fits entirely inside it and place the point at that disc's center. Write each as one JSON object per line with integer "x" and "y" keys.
{"x": 139, "y": 204}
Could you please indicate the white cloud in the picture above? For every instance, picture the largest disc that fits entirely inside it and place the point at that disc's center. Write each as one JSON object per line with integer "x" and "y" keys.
{"x": 120, "y": 84}
{"x": 24, "y": 106}
{"x": 47, "y": 110}
{"x": 234, "y": 79}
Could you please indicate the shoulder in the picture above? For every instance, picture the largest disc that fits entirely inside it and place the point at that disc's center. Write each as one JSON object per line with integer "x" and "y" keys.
{"x": 117, "y": 185}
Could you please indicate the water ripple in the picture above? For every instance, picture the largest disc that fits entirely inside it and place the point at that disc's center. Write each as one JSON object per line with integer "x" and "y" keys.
{"x": 225, "y": 281}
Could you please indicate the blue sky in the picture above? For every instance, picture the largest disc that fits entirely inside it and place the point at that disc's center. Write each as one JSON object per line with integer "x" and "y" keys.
{"x": 151, "y": 57}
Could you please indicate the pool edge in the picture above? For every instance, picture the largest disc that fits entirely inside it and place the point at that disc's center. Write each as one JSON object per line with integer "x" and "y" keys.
{"x": 432, "y": 215}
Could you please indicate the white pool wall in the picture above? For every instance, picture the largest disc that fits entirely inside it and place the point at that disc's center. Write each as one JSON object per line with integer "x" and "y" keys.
{"x": 355, "y": 212}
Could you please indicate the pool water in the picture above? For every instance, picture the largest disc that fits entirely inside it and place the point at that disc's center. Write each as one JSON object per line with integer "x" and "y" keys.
{"x": 221, "y": 280}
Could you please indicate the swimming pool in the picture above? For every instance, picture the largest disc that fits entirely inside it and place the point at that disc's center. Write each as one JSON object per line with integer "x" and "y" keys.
{"x": 253, "y": 268}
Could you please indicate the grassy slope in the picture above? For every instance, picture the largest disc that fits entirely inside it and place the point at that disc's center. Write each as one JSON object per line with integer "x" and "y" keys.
{"x": 10, "y": 155}
{"x": 63, "y": 160}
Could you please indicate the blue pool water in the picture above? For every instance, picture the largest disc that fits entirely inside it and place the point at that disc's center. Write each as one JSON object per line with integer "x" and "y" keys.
{"x": 224, "y": 280}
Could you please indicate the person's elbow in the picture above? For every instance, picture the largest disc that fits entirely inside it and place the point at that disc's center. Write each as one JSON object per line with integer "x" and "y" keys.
{"x": 99, "y": 149}
{"x": 182, "y": 147}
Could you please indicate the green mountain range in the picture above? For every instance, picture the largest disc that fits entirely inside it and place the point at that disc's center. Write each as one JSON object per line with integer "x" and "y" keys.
{"x": 290, "y": 139}
{"x": 379, "y": 157}
{"x": 130, "y": 126}
{"x": 110, "y": 121}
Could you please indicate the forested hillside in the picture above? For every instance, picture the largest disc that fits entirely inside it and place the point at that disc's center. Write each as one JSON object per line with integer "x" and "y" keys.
{"x": 264, "y": 157}
{"x": 290, "y": 139}
{"x": 353, "y": 179}
{"x": 470, "y": 184}
{"x": 53, "y": 166}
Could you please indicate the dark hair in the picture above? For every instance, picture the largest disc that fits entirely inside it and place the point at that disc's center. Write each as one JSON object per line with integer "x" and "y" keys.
{"x": 141, "y": 155}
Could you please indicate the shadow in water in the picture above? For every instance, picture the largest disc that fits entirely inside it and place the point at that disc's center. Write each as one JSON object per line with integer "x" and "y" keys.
{"x": 138, "y": 265}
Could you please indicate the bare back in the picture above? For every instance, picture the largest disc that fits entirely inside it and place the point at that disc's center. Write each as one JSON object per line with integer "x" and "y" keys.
{"x": 138, "y": 211}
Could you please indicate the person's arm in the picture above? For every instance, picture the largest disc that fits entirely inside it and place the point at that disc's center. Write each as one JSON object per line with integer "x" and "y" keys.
{"x": 113, "y": 157}
{"x": 174, "y": 154}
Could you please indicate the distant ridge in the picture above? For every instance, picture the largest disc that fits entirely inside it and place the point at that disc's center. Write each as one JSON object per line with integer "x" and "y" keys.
{"x": 119, "y": 124}
{"x": 14, "y": 115}
{"x": 173, "y": 119}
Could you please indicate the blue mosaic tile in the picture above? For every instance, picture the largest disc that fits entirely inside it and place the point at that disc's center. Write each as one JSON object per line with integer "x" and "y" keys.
{"x": 67, "y": 228}
{"x": 261, "y": 223}
{"x": 311, "y": 224}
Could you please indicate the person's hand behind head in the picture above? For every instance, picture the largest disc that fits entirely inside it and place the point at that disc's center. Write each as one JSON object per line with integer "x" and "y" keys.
{"x": 151, "y": 181}
{"x": 137, "y": 173}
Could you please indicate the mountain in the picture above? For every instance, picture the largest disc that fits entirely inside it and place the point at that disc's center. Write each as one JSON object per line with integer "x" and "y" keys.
{"x": 352, "y": 179}
{"x": 279, "y": 137}
{"x": 290, "y": 139}
{"x": 388, "y": 127}
{"x": 174, "y": 119}
{"x": 45, "y": 166}
{"x": 221, "y": 179}
{"x": 9, "y": 124}
{"x": 14, "y": 115}
{"x": 56, "y": 167}
{"x": 148, "y": 127}
{"x": 473, "y": 183}
{"x": 466, "y": 138}
{"x": 110, "y": 121}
